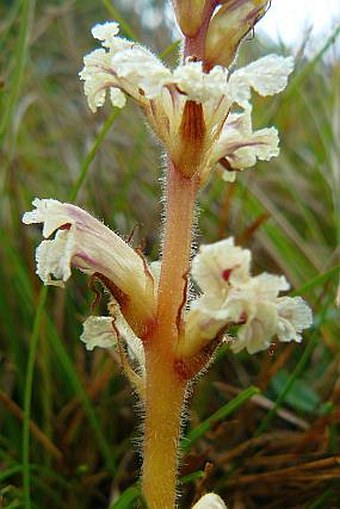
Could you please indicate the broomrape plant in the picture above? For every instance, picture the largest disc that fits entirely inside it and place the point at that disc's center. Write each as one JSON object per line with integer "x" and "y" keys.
{"x": 164, "y": 331}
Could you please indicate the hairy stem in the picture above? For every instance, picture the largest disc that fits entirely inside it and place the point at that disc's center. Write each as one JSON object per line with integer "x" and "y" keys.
{"x": 164, "y": 401}
{"x": 180, "y": 202}
{"x": 165, "y": 389}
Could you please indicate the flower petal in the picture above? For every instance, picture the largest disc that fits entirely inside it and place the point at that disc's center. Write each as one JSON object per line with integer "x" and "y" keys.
{"x": 54, "y": 257}
{"x": 256, "y": 334}
{"x": 267, "y": 76}
{"x": 105, "y": 331}
{"x": 268, "y": 286}
{"x": 51, "y": 213}
{"x": 294, "y": 316}
{"x": 98, "y": 331}
{"x": 106, "y": 32}
{"x": 241, "y": 146}
{"x": 219, "y": 265}
{"x": 98, "y": 77}
{"x": 142, "y": 70}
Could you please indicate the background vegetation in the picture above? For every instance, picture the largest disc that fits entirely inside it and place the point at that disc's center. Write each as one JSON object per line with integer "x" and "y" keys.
{"x": 68, "y": 432}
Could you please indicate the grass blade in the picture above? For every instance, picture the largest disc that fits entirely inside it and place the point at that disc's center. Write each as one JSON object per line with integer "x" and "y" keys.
{"x": 28, "y": 396}
{"x": 220, "y": 414}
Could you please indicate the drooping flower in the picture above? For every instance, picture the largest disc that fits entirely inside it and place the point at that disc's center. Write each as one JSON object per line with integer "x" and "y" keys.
{"x": 83, "y": 242}
{"x": 189, "y": 109}
{"x": 233, "y": 298}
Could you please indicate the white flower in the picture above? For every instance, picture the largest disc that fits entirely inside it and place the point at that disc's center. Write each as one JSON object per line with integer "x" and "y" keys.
{"x": 84, "y": 242}
{"x": 266, "y": 315}
{"x": 218, "y": 269}
{"x": 128, "y": 69}
{"x": 232, "y": 297}
{"x": 123, "y": 66}
{"x": 210, "y": 501}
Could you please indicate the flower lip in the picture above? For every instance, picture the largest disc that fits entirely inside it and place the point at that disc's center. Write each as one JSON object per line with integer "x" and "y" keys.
{"x": 105, "y": 32}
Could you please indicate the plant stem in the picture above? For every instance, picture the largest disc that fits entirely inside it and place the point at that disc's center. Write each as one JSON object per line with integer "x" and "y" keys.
{"x": 165, "y": 389}
{"x": 164, "y": 400}
{"x": 180, "y": 202}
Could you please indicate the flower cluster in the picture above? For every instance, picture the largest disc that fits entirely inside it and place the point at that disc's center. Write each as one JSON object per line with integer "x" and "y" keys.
{"x": 205, "y": 113}
{"x": 232, "y": 298}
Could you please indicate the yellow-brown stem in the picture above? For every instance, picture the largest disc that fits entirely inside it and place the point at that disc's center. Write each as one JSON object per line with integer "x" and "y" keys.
{"x": 164, "y": 401}
{"x": 165, "y": 389}
{"x": 180, "y": 203}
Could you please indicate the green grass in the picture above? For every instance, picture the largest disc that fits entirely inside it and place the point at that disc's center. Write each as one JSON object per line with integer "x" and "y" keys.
{"x": 69, "y": 435}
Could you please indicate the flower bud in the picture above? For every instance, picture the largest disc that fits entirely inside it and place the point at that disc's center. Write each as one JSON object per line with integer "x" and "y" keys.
{"x": 210, "y": 501}
{"x": 189, "y": 15}
{"x": 228, "y": 27}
